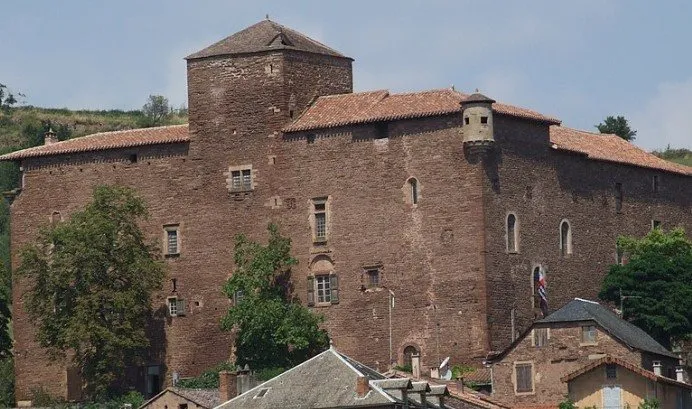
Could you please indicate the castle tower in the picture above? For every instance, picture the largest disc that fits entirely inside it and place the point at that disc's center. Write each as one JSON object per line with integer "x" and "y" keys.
{"x": 255, "y": 81}
{"x": 477, "y": 125}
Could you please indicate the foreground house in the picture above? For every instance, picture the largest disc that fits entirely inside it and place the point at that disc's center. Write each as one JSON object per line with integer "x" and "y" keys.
{"x": 331, "y": 380}
{"x": 580, "y": 333}
{"x": 461, "y": 208}
{"x": 615, "y": 383}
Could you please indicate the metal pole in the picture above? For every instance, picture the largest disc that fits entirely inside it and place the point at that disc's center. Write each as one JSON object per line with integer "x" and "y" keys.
{"x": 391, "y": 301}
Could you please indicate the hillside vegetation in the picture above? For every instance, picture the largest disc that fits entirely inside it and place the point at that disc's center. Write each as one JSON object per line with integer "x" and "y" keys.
{"x": 682, "y": 156}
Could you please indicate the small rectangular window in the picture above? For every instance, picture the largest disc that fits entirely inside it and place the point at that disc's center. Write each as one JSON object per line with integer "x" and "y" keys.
{"x": 540, "y": 337}
{"x": 484, "y": 119}
{"x": 241, "y": 180}
{"x": 467, "y": 121}
{"x": 524, "y": 377}
{"x": 589, "y": 334}
{"x": 320, "y": 220}
{"x": 173, "y": 306}
{"x": 655, "y": 224}
{"x": 373, "y": 276}
{"x": 323, "y": 289}
{"x": 171, "y": 240}
{"x": 618, "y": 197}
{"x": 611, "y": 371}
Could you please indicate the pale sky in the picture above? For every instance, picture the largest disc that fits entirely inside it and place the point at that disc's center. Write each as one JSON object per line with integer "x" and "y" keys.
{"x": 577, "y": 60}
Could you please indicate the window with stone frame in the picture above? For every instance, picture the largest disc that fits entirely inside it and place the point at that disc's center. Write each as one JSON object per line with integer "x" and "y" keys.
{"x": 523, "y": 377}
{"x": 565, "y": 238}
{"x": 589, "y": 335}
{"x": 326, "y": 289}
{"x": 241, "y": 180}
{"x": 176, "y": 306}
{"x": 372, "y": 276}
{"x": 319, "y": 223}
{"x": 413, "y": 190}
{"x": 171, "y": 239}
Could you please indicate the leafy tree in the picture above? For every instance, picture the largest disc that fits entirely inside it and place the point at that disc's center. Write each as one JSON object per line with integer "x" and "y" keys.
{"x": 273, "y": 330}
{"x": 649, "y": 403}
{"x": 618, "y": 126}
{"x": 7, "y": 98}
{"x": 155, "y": 111}
{"x": 658, "y": 283}
{"x": 91, "y": 282}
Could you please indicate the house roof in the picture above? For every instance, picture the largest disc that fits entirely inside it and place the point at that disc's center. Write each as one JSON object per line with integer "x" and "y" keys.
{"x": 206, "y": 398}
{"x": 470, "y": 397}
{"x": 584, "y": 310}
{"x": 266, "y": 35}
{"x": 106, "y": 140}
{"x": 634, "y": 368}
{"x": 610, "y": 148}
{"x": 327, "y": 380}
{"x": 375, "y": 106}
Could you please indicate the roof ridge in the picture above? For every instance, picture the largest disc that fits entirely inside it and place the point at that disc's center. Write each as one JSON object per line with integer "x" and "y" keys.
{"x": 283, "y": 27}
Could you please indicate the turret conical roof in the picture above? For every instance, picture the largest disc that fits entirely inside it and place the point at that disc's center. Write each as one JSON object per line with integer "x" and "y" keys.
{"x": 266, "y": 35}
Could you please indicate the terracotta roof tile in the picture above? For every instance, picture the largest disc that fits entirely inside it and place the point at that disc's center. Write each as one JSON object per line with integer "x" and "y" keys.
{"x": 106, "y": 140}
{"x": 266, "y": 35}
{"x": 348, "y": 109}
{"x": 610, "y": 148}
{"x": 634, "y": 368}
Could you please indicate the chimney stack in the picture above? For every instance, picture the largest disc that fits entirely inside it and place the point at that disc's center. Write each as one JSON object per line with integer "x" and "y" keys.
{"x": 228, "y": 386}
{"x": 657, "y": 368}
{"x": 679, "y": 374}
{"x": 49, "y": 137}
{"x": 415, "y": 365}
{"x": 362, "y": 386}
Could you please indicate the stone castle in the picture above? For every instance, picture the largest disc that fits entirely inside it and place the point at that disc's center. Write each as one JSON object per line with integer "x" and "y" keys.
{"x": 420, "y": 220}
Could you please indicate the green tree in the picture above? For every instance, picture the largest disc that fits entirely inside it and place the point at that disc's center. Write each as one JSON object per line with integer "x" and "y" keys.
{"x": 155, "y": 111}
{"x": 273, "y": 330}
{"x": 618, "y": 126}
{"x": 658, "y": 283}
{"x": 91, "y": 283}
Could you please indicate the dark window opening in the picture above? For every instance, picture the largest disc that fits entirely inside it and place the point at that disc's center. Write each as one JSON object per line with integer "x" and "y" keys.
{"x": 290, "y": 113}
{"x": 618, "y": 197}
{"x": 511, "y": 233}
{"x": 611, "y": 371}
{"x": 467, "y": 121}
{"x": 373, "y": 276}
{"x": 310, "y": 138}
{"x": 381, "y": 130}
{"x": 484, "y": 119}
{"x": 409, "y": 351}
{"x": 655, "y": 224}
{"x": 133, "y": 158}
{"x": 413, "y": 186}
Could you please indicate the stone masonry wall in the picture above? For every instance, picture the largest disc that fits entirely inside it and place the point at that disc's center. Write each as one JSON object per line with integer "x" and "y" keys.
{"x": 542, "y": 186}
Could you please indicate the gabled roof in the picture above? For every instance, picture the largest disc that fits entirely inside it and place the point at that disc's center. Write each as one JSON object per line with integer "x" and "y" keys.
{"x": 610, "y": 148}
{"x": 266, "y": 35}
{"x": 106, "y": 140}
{"x": 634, "y": 368}
{"x": 366, "y": 107}
{"x": 206, "y": 398}
{"x": 327, "y": 380}
{"x": 584, "y": 310}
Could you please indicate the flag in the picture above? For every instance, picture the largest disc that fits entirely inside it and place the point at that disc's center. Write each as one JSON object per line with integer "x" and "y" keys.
{"x": 539, "y": 286}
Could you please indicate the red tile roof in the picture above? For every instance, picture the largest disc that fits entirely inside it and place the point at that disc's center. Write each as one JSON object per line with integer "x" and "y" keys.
{"x": 610, "y": 148}
{"x": 363, "y": 107}
{"x": 106, "y": 140}
{"x": 634, "y": 368}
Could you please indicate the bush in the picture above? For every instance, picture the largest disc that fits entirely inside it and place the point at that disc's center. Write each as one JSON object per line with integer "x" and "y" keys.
{"x": 7, "y": 383}
{"x": 208, "y": 379}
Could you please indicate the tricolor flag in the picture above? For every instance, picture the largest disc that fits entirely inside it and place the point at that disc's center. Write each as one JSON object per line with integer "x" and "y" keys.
{"x": 539, "y": 285}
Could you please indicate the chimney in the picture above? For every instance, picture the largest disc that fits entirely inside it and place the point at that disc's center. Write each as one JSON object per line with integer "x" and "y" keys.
{"x": 657, "y": 368}
{"x": 679, "y": 374}
{"x": 228, "y": 386}
{"x": 415, "y": 365}
{"x": 50, "y": 137}
{"x": 362, "y": 386}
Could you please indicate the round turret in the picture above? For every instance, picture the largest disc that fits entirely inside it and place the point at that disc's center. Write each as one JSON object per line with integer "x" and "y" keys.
{"x": 477, "y": 122}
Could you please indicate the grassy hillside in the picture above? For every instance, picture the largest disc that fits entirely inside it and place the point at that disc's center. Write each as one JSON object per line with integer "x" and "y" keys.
{"x": 23, "y": 127}
{"x": 682, "y": 156}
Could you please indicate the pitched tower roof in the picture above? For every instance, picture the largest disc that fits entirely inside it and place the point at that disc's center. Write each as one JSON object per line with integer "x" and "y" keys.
{"x": 266, "y": 35}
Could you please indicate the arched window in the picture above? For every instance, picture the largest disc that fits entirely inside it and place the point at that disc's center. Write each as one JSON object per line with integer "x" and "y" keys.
{"x": 409, "y": 351}
{"x": 565, "y": 238}
{"x": 512, "y": 233}
{"x": 413, "y": 190}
